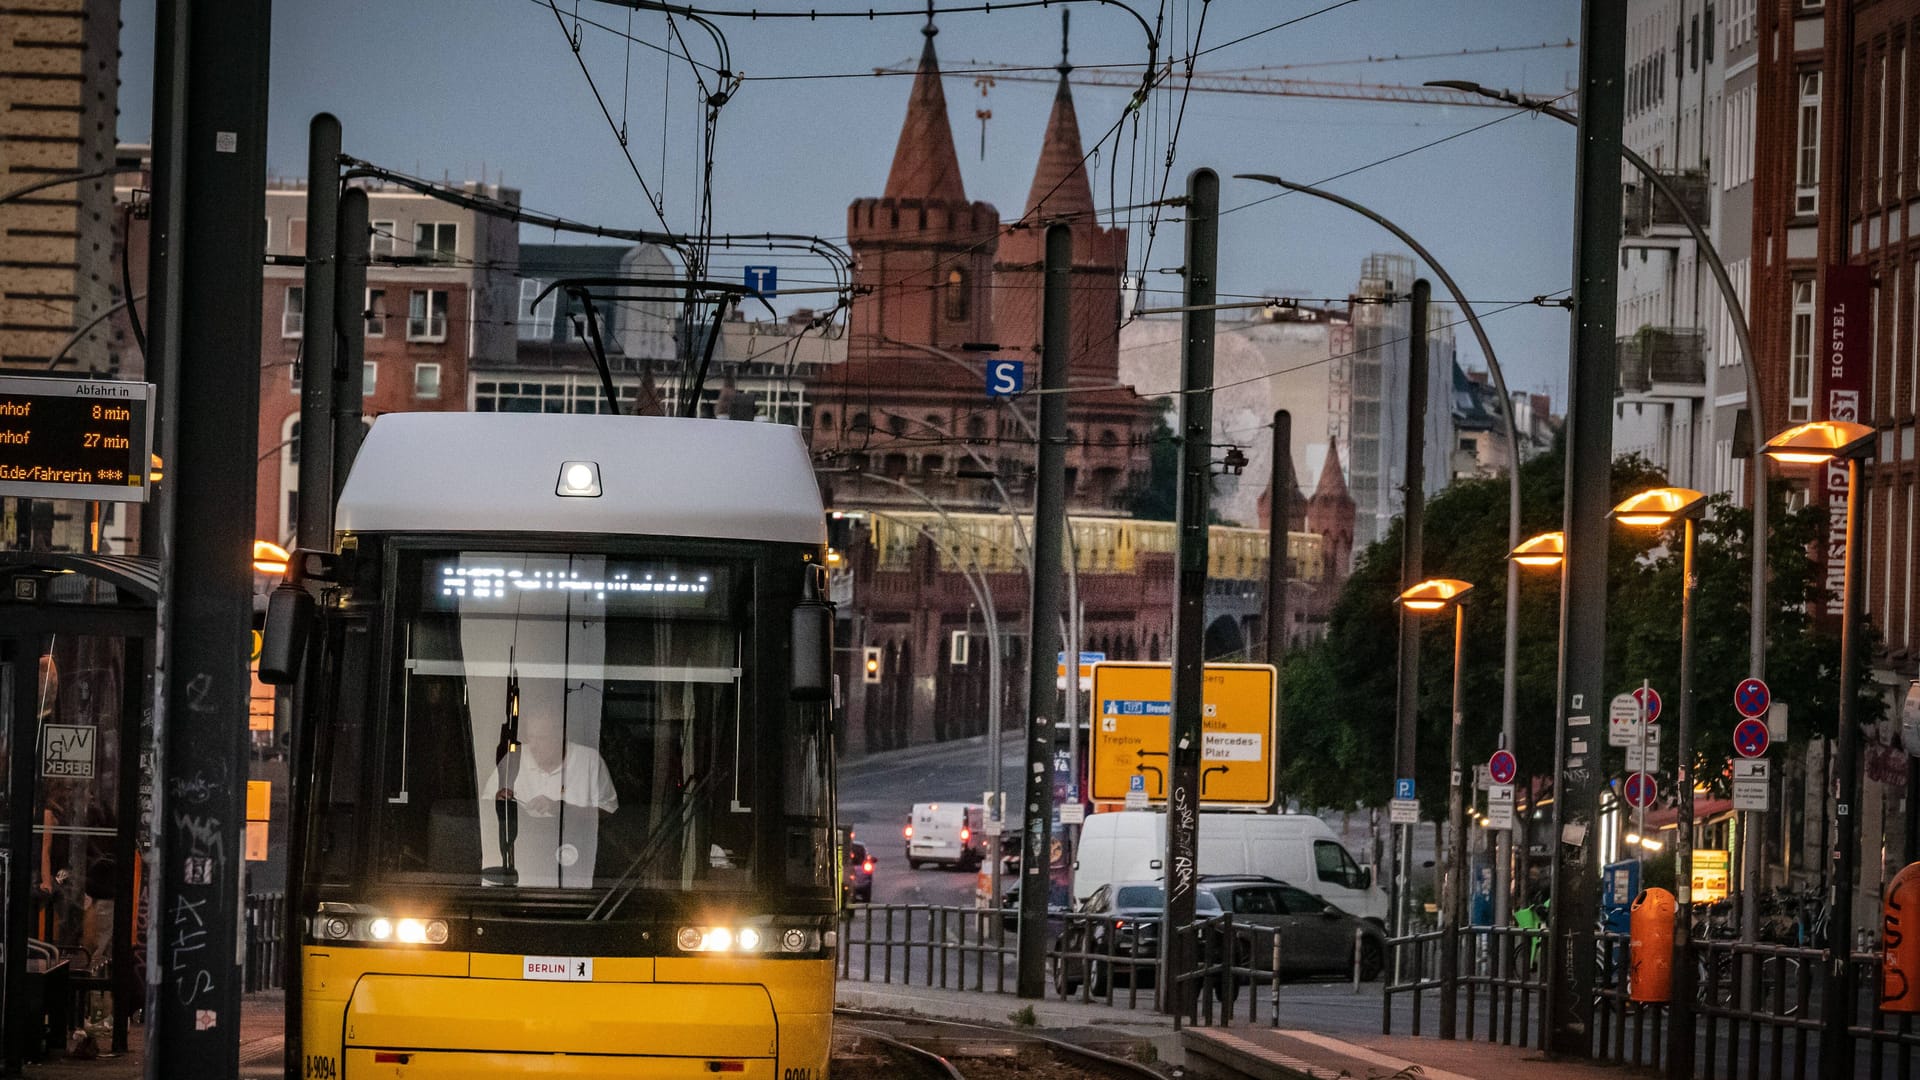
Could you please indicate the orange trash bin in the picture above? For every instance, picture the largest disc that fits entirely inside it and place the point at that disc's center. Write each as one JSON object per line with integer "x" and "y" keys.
{"x": 1900, "y": 937}
{"x": 1650, "y": 947}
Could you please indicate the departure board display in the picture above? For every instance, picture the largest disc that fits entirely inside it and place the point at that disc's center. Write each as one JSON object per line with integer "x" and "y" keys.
{"x": 73, "y": 439}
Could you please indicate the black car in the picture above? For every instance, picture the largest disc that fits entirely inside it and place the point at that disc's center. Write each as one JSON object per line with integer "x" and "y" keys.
{"x": 1122, "y": 921}
{"x": 859, "y": 873}
{"x": 1316, "y": 937}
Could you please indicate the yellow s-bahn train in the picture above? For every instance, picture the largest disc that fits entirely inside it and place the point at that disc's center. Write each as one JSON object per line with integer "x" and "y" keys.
{"x": 564, "y": 780}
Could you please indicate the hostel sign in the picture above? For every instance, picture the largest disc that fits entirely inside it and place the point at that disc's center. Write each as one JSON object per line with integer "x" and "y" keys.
{"x": 1844, "y": 351}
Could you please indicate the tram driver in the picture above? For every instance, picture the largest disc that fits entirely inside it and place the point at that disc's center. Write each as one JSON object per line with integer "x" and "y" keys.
{"x": 559, "y": 787}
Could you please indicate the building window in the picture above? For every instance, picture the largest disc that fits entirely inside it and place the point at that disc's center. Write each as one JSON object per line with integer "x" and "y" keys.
{"x": 1807, "y": 160}
{"x": 380, "y": 242}
{"x": 427, "y": 315}
{"x": 535, "y": 321}
{"x": 436, "y": 241}
{"x": 376, "y": 313}
{"x": 956, "y": 300}
{"x": 1706, "y": 39}
{"x": 293, "y": 316}
{"x": 1800, "y": 359}
{"x": 369, "y": 378}
{"x": 426, "y": 380}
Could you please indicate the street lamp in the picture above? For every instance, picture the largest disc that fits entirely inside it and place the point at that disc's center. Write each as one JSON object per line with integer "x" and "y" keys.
{"x": 1509, "y": 694}
{"x": 1828, "y": 442}
{"x": 1547, "y": 550}
{"x": 1430, "y": 596}
{"x": 269, "y": 558}
{"x": 1658, "y": 508}
{"x": 1542, "y": 551}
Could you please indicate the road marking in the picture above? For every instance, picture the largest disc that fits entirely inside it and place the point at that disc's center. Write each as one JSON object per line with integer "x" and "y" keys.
{"x": 1360, "y": 1053}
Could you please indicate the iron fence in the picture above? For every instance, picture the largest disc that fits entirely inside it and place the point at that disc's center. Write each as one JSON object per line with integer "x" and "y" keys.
{"x": 266, "y": 929}
{"x": 1756, "y": 1009}
{"x": 1093, "y": 959}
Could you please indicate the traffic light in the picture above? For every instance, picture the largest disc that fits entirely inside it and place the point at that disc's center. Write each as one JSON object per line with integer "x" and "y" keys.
{"x": 871, "y": 665}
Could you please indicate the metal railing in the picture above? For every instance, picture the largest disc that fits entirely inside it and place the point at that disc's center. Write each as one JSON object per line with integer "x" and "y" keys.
{"x": 1756, "y": 1009}
{"x": 1500, "y": 981}
{"x": 1093, "y": 959}
{"x": 266, "y": 929}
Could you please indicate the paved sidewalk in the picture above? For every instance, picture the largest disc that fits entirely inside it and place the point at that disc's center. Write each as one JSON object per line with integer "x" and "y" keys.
{"x": 262, "y": 1044}
{"x": 1292, "y": 1054}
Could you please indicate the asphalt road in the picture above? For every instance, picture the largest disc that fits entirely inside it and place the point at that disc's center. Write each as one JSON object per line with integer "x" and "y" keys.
{"x": 878, "y": 790}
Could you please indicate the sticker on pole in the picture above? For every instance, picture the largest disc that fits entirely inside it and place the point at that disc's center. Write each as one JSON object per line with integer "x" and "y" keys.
{"x": 1751, "y": 737}
{"x": 1501, "y": 767}
{"x": 1640, "y": 790}
{"x": 1752, "y": 697}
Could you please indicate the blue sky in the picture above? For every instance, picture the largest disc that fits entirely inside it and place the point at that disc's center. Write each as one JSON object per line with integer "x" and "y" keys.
{"x": 452, "y": 87}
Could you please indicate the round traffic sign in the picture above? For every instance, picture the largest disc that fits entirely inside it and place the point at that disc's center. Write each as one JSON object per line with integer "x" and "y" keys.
{"x": 1649, "y": 699}
{"x": 1751, "y": 737}
{"x": 1640, "y": 789}
{"x": 1501, "y": 767}
{"x": 1752, "y": 697}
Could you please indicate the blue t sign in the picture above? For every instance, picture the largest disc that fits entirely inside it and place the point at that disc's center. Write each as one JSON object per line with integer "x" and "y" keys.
{"x": 1006, "y": 378}
{"x": 762, "y": 280}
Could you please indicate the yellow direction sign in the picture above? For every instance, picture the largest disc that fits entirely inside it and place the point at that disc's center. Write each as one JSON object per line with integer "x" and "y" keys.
{"x": 1131, "y": 703}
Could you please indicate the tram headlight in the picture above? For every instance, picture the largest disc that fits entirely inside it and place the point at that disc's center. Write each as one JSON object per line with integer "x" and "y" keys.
{"x": 412, "y": 932}
{"x": 436, "y": 932}
{"x": 794, "y": 940}
{"x": 718, "y": 939}
{"x": 380, "y": 929}
{"x": 336, "y": 928}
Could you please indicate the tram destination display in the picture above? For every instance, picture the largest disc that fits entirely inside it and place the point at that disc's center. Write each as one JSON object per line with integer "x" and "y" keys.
{"x": 73, "y": 439}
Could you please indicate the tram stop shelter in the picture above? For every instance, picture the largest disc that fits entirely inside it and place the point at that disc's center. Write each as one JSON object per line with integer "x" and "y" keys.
{"x": 76, "y": 737}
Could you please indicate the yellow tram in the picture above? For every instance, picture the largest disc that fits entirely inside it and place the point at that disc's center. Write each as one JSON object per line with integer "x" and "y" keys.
{"x": 564, "y": 783}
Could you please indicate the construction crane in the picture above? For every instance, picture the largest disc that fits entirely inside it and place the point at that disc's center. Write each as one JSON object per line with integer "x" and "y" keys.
{"x": 1219, "y": 83}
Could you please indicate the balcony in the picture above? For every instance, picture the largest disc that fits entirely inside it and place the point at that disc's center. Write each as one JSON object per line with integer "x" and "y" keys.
{"x": 1664, "y": 355}
{"x": 1644, "y": 208}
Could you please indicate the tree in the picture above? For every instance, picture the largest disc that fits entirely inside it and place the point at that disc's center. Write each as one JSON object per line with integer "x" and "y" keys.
{"x": 1339, "y": 694}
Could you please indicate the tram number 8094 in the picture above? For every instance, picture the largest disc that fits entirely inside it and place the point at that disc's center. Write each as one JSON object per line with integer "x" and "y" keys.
{"x": 321, "y": 1067}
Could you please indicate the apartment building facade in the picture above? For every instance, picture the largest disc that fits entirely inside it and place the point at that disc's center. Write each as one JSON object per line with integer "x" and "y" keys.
{"x": 442, "y": 297}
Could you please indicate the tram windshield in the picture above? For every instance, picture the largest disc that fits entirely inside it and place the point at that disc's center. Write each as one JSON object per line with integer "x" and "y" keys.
{"x": 571, "y": 722}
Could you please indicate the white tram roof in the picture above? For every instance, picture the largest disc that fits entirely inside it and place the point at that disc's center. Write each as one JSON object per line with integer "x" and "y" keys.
{"x": 659, "y": 476}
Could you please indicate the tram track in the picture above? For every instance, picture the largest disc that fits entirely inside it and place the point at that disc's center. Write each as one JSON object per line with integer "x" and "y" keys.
{"x": 955, "y": 1050}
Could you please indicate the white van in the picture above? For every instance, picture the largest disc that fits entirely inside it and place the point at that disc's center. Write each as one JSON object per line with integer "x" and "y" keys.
{"x": 1300, "y": 849}
{"x": 946, "y": 833}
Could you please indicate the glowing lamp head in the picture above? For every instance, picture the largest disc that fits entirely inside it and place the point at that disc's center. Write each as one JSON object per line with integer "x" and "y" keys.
{"x": 1658, "y": 507}
{"x": 269, "y": 558}
{"x": 1545, "y": 550}
{"x": 578, "y": 480}
{"x": 1820, "y": 442}
{"x": 1434, "y": 594}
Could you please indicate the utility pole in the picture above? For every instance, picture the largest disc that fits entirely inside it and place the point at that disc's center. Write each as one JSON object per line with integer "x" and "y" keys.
{"x": 1580, "y": 741}
{"x": 210, "y": 166}
{"x": 1279, "y": 525}
{"x": 1413, "y": 516}
{"x": 1190, "y": 562}
{"x": 1043, "y": 634}
{"x": 349, "y": 326}
{"x": 318, "y": 344}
